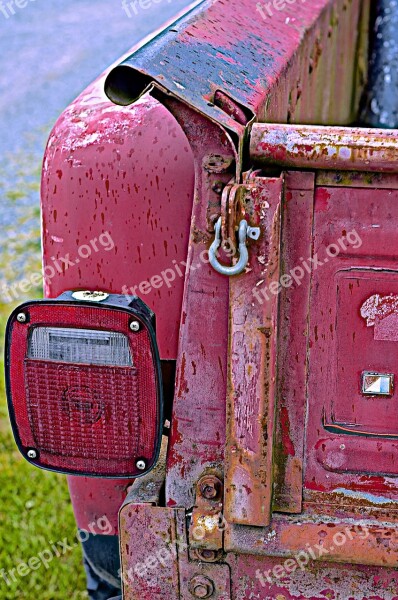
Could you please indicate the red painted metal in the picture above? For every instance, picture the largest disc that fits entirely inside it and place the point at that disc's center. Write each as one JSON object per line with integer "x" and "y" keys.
{"x": 128, "y": 173}
{"x": 335, "y": 148}
{"x": 292, "y": 351}
{"x": 342, "y": 345}
{"x": 277, "y": 70}
{"x": 252, "y": 362}
{"x": 253, "y": 579}
{"x": 151, "y": 570}
{"x": 202, "y": 362}
{"x": 94, "y": 499}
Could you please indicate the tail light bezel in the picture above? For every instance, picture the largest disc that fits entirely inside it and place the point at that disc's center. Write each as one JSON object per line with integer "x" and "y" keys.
{"x": 133, "y": 309}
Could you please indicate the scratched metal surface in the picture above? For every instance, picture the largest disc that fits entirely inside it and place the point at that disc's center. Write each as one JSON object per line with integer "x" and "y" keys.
{"x": 300, "y": 74}
{"x": 280, "y": 67}
{"x": 253, "y": 580}
{"x": 338, "y": 148}
{"x": 252, "y": 359}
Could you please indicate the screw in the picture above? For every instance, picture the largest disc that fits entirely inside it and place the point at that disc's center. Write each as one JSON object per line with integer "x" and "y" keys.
{"x": 210, "y": 487}
{"x": 32, "y": 454}
{"x": 134, "y": 326}
{"x": 141, "y": 465}
{"x": 201, "y": 587}
{"x": 21, "y": 318}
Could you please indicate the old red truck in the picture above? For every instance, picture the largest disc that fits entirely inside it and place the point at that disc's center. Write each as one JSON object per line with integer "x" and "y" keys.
{"x": 230, "y": 377}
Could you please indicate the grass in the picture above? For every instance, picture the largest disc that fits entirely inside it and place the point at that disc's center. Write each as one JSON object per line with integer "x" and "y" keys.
{"x": 35, "y": 510}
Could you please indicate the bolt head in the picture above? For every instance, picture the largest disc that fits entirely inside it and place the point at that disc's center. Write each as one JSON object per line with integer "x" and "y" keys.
{"x": 201, "y": 587}
{"x": 32, "y": 454}
{"x": 217, "y": 187}
{"x": 21, "y": 318}
{"x": 209, "y": 492}
{"x": 210, "y": 487}
{"x": 201, "y": 591}
{"x": 141, "y": 465}
{"x": 134, "y": 326}
{"x": 205, "y": 555}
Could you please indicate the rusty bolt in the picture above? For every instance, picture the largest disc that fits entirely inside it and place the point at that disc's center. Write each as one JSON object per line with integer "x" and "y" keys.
{"x": 205, "y": 555}
{"x": 218, "y": 187}
{"x": 216, "y": 163}
{"x": 210, "y": 487}
{"x": 201, "y": 587}
{"x": 211, "y": 222}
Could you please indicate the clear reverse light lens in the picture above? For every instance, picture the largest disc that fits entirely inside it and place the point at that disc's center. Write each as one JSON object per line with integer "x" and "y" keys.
{"x": 82, "y": 346}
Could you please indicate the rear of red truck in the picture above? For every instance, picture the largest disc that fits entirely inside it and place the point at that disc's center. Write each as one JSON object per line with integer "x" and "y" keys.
{"x": 214, "y": 364}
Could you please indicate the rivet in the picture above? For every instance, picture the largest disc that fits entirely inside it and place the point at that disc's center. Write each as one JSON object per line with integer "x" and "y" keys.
{"x": 141, "y": 465}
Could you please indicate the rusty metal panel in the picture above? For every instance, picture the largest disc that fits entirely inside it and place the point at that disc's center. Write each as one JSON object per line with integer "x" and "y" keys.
{"x": 351, "y": 436}
{"x": 198, "y": 426}
{"x": 292, "y": 65}
{"x": 259, "y": 578}
{"x": 356, "y": 179}
{"x": 356, "y": 540}
{"x": 336, "y": 148}
{"x": 293, "y": 343}
{"x": 150, "y": 567}
{"x": 252, "y": 362}
{"x": 159, "y": 565}
{"x": 198, "y": 578}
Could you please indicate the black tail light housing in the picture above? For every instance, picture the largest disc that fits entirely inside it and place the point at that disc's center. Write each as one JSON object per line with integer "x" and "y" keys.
{"x": 84, "y": 384}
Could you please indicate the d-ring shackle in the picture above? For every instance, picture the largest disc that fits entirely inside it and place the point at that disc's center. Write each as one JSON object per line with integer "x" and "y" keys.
{"x": 245, "y": 231}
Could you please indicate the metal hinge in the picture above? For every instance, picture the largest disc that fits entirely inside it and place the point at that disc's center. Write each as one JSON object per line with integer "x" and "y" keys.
{"x": 206, "y": 530}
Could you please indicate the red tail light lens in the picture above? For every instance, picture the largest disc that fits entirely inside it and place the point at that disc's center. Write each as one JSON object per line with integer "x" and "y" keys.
{"x": 84, "y": 385}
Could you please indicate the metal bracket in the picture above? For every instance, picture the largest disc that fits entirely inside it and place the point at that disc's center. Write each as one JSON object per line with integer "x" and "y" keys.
{"x": 206, "y": 528}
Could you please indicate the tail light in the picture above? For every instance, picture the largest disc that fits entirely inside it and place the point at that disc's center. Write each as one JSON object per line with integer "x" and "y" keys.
{"x": 84, "y": 384}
